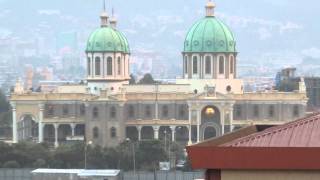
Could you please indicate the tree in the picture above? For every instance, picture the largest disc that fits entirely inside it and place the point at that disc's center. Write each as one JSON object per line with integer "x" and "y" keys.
{"x": 26, "y": 153}
{"x": 11, "y": 164}
{"x": 149, "y": 154}
{"x": 5, "y": 116}
{"x": 132, "y": 79}
{"x": 96, "y": 158}
{"x": 5, "y": 150}
{"x": 71, "y": 156}
{"x": 39, "y": 163}
{"x": 147, "y": 79}
{"x": 4, "y": 104}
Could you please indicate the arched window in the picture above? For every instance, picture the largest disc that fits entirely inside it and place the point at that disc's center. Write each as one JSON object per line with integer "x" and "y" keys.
{"x": 131, "y": 111}
{"x": 165, "y": 111}
{"x": 89, "y": 66}
{"x": 238, "y": 110}
{"x": 296, "y": 112}
{"x": 256, "y": 111}
{"x": 182, "y": 111}
{"x": 271, "y": 111}
{"x": 195, "y": 65}
{"x": 95, "y": 112}
{"x": 221, "y": 65}
{"x": 208, "y": 65}
{"x": 119, "y": 66}
{"x": 113, "y": 132}
{"x": 97, "y": 66}
{"x": 82, "y": 109}
{"x": 186, "y": 64}
{"x": 95, "y": 132}
{"x": 148, "y": 111}
{"x": 109, "y": 66}
{"x": 65, "y": 109}
{"x": 231, "y": 64}
{"x": 113, "y": 112}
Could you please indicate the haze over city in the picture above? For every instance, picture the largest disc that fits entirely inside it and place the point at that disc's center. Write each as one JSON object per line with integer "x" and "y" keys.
{"x": 159, "y": 90}
{"x": 268, "y": 33}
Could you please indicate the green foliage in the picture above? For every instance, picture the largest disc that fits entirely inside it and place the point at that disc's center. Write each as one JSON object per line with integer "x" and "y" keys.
{"x": 96, "y": 158}
{"x": 149, "y": 154}
{"x": 11, "y": 164}
{"x": 147, "y": 79}
{"x": 72, "y": 156}
{"x": 39, "y": 163}
{"x": 33, "y": 155}
{"x": 25, "y": 153}
{"x": 132, "y": 79}
{"x": 4, "y": 104}
{"x": 5, "y": 116}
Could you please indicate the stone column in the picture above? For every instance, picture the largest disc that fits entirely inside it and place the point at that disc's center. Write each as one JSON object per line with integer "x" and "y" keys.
{"x": 156, "y": 132}
{"x": 14, "y": 124}
{"x": 56, "y": 127}
{"x": 173, "y": 132}
{"x": 139, "y": 132}
{"x": 190, "y": 126}
{"x": 40, "y": 124}
{"x": 231, "y": 119}
{"x": 73, "y": 126}
{"x": 222, "y": 121}
{"x": 40, "y": 129}
{"x": 198, "y": 124}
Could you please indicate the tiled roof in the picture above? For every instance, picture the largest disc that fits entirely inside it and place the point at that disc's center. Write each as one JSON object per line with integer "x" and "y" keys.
{"x": 303, "y": 132}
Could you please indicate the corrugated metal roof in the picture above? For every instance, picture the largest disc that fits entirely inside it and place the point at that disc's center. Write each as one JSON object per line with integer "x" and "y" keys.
{"x": 57, "y": 171}
{"x": 303, "y": 132}
{"x": 80, "y": 172}
{"x": 96, "y": 173}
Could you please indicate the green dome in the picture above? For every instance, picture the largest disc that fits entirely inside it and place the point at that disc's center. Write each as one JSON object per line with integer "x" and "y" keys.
{"x": 209, "y": 35}
{"x": 107, "y": 39}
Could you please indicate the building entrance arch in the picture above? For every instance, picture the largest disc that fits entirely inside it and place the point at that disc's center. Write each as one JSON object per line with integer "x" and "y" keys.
{"x": 28, "y": 128}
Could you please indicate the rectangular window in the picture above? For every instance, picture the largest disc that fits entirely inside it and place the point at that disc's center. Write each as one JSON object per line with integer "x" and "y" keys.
{"x": 89, "y": 66}
{"x": 119, "y": 66}
{"x": 97, "y": 66}
{"x": 238, "y": 111}
{"x": 186, "y": 65}
{"x": 256, "y": 111}
{"x": 109, "y": 66}
{"x": 195, "y": 65}
{"x": 221, "y": 65}
{"x": 65, "y": 110}
{"x": 208, "y": 65}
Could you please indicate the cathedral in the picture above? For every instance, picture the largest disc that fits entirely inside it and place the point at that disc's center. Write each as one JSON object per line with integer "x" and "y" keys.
{"x": 208, "y": 100}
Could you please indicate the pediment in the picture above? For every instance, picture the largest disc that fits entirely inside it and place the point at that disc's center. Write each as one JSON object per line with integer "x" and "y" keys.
{"x": 208, "y": 96}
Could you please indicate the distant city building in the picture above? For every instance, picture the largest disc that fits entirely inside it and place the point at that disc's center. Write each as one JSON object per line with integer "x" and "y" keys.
{"x": 208, "y": 101}
{"x": 289, "y": 82}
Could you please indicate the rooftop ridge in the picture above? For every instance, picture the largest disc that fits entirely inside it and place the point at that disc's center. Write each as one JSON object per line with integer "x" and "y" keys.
{"x": 273, "y": 130}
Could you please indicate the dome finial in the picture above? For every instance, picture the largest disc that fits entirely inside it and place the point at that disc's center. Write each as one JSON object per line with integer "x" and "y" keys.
{"x": 210, "y": 8}
{"x": 113, "y": 20}
{"x": 104, "y": 16}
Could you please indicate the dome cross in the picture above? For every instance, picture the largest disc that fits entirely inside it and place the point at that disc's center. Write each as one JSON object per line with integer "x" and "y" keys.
{"x": 210, "y": 8}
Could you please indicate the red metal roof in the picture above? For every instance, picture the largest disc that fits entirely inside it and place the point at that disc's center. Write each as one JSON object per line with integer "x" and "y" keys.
{"x": 303, "y": 132}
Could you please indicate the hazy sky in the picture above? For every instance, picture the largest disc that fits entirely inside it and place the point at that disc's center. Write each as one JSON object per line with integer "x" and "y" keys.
{"x": 266, "y": 30}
